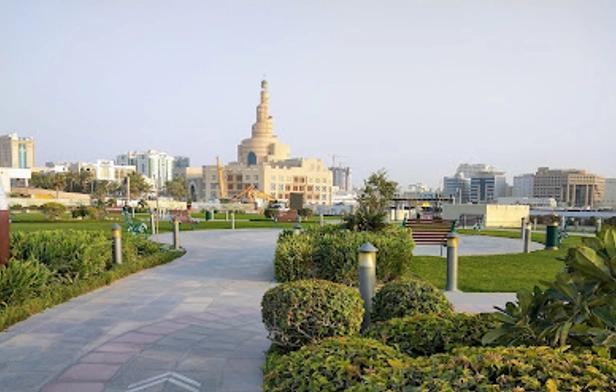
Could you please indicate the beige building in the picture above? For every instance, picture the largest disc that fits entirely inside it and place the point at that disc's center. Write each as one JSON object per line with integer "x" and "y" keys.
{"x": 194, "y": 180}
{"x": 104, "y": 169}
{"x": 16, "y": 152}
{"x": 571, "y": 187}
{"x": 266, "y": 164}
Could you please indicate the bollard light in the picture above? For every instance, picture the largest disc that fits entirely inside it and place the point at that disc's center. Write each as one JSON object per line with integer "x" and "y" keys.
{"x": 152, "y": 223}
{"x": 321, "y": 220}
{"x": 452, "y": 261}
{"x": 367, "y": 279}
{"x": 297, "y": 229}
{"x": 176, "y": 233}
{"x": 527, "y": 238}
{"x": 116, "y": 247}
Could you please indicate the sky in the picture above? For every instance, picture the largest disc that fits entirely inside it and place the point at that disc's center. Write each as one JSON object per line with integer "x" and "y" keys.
{"x": 412, "y": 87}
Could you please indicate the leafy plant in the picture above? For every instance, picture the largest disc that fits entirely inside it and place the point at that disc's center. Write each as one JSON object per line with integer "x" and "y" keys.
{"x": 330, "y": 253}
{"x": 302, "y": 312}
{"x": 406, "y": 298}
{"x": 337, "y": 364}
{"x": 20, "y": 280}
{"x": 425, "y": 334}
{"x": 578, "y": 308}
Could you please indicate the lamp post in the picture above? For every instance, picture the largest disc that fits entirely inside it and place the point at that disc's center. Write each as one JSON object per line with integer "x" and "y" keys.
{"x": 297, "y": 229}
{"x": 116, "y": 235}
{"x": 452, "y": 261}
{"x": 367, "y": 279}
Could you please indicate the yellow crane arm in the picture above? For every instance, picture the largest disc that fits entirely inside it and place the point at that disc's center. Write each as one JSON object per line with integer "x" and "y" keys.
{"x": 222, "y": 183}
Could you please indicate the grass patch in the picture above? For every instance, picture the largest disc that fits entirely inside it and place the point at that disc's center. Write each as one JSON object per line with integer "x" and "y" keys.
{"x": 496, "y": 273}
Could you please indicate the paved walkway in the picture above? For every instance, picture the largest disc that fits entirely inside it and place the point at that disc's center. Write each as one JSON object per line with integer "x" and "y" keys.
{"x": 191, "y": 325}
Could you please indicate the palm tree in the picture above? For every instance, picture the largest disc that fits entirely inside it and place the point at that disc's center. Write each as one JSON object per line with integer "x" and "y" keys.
{"x": 59, "y": 182}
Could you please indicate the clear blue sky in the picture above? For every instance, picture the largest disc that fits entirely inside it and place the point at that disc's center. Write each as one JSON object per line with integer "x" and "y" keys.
{"x": 415, "y": 87}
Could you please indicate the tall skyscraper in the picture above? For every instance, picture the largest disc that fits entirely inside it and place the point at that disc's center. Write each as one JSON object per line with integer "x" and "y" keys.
{"x": 155, "y": 165}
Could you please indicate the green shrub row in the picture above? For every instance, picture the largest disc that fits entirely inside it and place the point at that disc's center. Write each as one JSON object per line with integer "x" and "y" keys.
{"x": 361, "y": 364}
{"x": 330, "y": 253}
{"x": 52, "y": 295}
{"x": 302, "y": 312}
{"x": 431, "y": 333}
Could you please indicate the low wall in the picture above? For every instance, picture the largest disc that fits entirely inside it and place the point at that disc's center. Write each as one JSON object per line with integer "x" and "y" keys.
{"x": 495, "y": 215}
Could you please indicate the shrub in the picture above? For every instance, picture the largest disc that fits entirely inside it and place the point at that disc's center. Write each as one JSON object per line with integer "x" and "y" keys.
{"x": 430, "y": 333}
{"x": 511, "y": 369}
{"x": 20, "y": 280}
{"x": 330, "y": 253}
{"x": 53, "y": 210}
{"x": 305, "y": 311}
{"x": 406, "y": 298}
{"x": 70, "y": 254}
{"x": 337, "y": 364}
{"x": 578, "y": 309}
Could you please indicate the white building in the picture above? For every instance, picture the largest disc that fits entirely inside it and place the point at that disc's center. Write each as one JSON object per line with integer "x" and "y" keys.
{"x": 155, "y": 165}
{"x": 472, "y": 169}
{"x": 609, "y": 197}
{"x": 544, "y": 202}
{"x": 104, "y": 169}
{"x": 523, "y": 185}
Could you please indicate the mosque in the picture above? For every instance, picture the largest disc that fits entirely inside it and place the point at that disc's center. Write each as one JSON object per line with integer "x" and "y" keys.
{"x": 266, "y": 164}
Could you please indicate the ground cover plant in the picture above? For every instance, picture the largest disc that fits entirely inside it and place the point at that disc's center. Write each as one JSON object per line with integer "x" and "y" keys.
{"x": 50, "y": 267}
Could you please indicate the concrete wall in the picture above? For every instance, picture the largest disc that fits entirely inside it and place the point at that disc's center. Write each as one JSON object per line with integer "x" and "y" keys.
{"x": 494, "y": 215}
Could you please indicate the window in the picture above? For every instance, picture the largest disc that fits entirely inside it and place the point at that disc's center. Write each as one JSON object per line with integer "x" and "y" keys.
{"x": 256, "y": 177}
{"x": 272, "y": 187}
{"x": 318, "y": 180}
{"x": 281, "y": 187}
{"x": 288, "y": 179}
{"x": 247, "y": 177}
{"x": 213, "y": 177}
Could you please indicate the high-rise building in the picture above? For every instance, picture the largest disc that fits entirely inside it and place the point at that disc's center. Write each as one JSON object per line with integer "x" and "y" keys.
{"x": 181, "y": 162}
{"x": 458, "y": 188}
{"x": 342, "y": 178}
{"x": 155, "y": 165}
{"x": 16, "y": 152}
{"x": 265, "y": 163}
{"x": 523, "y": 185}
{"x": 571, "y": 187}
{"x": 487, "y": 187}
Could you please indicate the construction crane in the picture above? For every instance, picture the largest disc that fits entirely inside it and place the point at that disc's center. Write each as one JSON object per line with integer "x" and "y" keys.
{"x": 222, "y": 184}
{"x": 253, "y": 193}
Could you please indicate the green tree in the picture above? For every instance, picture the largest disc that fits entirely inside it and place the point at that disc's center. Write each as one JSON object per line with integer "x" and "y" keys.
{"x": 138, "y": 185}
{"x": 177, "y": 188}
{"x": 42, "y": 180}
{"x": 373, "y": 203}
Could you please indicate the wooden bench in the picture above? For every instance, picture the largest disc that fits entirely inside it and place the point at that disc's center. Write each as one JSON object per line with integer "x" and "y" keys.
{"x": 184, "y": 217}
{"x": 430, "y": 232}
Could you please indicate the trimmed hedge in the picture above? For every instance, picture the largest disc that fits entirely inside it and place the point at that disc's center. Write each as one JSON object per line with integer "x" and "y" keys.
{"x": 366, "y": 365}
{"x": 408, "y": 297}
{"x": 330, "y": 253}
{"x": 430, "y": 333}
{"x": 302, "y": 312}
{"x": 337, "y": 364}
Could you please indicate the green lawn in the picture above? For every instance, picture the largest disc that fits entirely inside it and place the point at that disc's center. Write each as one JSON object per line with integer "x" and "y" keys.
{"x": 36, "y": 221}
{"x": 495, "y": 273}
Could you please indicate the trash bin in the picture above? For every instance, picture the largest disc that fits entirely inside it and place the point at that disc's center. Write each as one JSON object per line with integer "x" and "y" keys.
{"x": 208, "y": 215}
{"x": 551, "y": 236}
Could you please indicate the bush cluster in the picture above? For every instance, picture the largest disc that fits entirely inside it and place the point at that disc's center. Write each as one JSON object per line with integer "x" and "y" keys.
{"x": 302, "y": 312}
{"x": 42, "y": 261}
{"x": 337, "y": 364}
{"x": 330, "y": 253}
{"x": 358, "y": 364}
{"x": 431, "y": 333}
{"x": 408, "y": 297}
